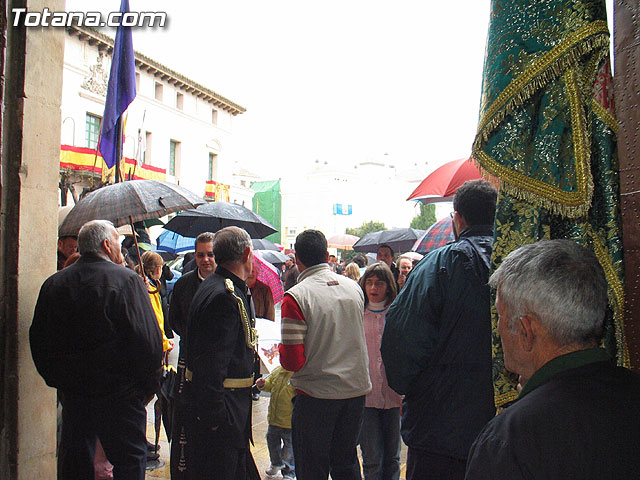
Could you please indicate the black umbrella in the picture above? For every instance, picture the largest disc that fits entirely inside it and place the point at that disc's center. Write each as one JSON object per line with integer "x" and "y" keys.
{"x": 275, "y": 258}
{"x": 264, "y": 244}
{"x": 399, "y": 239}
{"x": 214, "y": 216}
{"x": 128, "y": 202}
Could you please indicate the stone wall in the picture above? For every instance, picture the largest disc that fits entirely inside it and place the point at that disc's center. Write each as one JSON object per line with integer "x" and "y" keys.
{"x": 30, "y": 144}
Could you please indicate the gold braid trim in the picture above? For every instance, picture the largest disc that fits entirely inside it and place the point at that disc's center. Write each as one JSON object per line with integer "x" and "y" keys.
{"x": 250, "y": 333}
{"x": 500, "y": 400}
{"x": 616, "y": 297}
{"x": 605, "y": 116}
{"x": 549, "y": 66}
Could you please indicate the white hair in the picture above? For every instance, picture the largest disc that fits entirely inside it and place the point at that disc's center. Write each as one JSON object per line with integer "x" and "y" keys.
{"x": 558, "y": 281}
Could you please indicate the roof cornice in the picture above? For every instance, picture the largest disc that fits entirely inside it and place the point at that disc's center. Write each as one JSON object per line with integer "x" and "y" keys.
{"x": 144, "y": 63}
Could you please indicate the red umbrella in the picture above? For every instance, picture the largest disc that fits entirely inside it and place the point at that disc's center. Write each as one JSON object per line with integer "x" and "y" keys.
{"x": 441, "y": 184}
{"x": 438, "y": 235}
{"x": 268, "y": 274}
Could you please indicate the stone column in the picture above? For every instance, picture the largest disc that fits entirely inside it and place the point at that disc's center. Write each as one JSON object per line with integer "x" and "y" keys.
{"x": 29, "y": 189}
{"x": 627, "y": 104}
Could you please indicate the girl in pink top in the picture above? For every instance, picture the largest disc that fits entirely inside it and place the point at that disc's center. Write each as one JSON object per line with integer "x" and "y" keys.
{"x": 380, "y": 432}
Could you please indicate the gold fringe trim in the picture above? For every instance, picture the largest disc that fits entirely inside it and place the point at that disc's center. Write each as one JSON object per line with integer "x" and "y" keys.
{"x": 551, "y": 65}
{"x": 616, "y": 297}
{"x": 559, "y": 202}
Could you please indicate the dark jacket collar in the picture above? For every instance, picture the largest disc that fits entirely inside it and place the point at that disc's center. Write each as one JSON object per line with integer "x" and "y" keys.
{"x": 237, "y": 281}
{"x": 92, "y": 258}
{"x": 562, "y": 363}
{"x": 477, "y": 231}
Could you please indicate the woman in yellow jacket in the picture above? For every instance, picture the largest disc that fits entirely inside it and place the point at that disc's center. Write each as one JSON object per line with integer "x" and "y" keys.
{"x": 152, "y": 266}
{"x": 279, "y": 438}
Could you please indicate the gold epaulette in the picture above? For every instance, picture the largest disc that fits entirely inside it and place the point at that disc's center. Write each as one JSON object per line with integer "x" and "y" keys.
{"x": 250, "y": 333}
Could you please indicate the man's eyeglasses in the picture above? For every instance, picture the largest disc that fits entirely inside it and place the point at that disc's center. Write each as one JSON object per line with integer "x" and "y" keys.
{"x": 203, "y": 254}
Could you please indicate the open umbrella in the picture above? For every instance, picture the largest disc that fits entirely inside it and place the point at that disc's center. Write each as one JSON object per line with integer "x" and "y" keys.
{"x": 438, "y": 235}
{"x": 174, "y": 243}
{"x": 268, "y": 274}
{"x": 264, "y": 244}
{"x": 343, "y": 241}
{"x": 413, "y": 256}
{"x": 441, "y": 184}
{"x": 128, "y": 202}
{"x": 214, "y": 216}
{"x": 275, "y": 258}
{"x": 399, "y": 239}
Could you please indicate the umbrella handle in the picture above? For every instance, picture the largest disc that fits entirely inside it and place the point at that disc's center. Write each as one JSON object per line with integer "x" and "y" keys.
{"x": 135, "y": 241}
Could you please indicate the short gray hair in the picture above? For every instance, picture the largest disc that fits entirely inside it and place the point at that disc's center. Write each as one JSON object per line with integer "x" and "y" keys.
{"x": 92, "y": 234}
{"x": 229, "y": 245}
{"x": 205, "y": 237}
{"x": 561, "y": 283}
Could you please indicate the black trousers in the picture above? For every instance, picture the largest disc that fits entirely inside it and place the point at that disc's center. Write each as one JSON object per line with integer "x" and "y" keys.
{"x": 422, "y": 465}
{"x": 119, "y": 423}
{"x": 200, "y": 453}
{"x": 325, "y": 434}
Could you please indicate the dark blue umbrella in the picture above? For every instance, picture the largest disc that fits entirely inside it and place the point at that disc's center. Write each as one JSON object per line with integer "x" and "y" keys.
{"x": 264, "y": 244}
{"x": 214, "y": 216}
{"x": 399, "y": 239}
{"x": 174, "y": 242}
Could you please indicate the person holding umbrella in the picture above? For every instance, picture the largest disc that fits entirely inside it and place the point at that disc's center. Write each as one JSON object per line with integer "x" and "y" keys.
{"x": 261, "y": 295}
{"x": 95, "y": 338}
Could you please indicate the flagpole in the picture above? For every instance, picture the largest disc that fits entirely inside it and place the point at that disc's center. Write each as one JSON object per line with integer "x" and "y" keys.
{"x": 118, "y": 148}
{"x": 121, "y": 91}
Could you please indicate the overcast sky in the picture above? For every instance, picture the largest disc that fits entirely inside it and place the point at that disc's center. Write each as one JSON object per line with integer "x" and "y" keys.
{"x": 339, "y": 81}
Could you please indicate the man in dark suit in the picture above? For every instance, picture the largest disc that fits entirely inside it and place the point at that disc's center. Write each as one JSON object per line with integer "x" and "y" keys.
{"x": 96, "y": 339}
{"x": 219, "y": 352}
{"x": 181, "y": 297}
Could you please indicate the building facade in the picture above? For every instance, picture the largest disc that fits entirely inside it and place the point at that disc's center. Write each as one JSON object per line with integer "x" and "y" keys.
{"x": 175, "y": 129}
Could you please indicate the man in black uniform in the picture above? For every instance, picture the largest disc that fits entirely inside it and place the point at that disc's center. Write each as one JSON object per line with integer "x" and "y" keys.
{"x": 96, "y": 339}
{"x": 181, "y": 297}
{"x": 219, "y": 353}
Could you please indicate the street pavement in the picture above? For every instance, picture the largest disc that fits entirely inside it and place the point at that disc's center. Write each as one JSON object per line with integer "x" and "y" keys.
{"x": 260, "y": 451}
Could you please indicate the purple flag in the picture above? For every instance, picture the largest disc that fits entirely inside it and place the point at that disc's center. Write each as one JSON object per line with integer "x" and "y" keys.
{"x": 121, "y": 90}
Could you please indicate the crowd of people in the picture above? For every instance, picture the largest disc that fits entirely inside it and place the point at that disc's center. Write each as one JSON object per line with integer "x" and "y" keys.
{"x": 371, "y": 355}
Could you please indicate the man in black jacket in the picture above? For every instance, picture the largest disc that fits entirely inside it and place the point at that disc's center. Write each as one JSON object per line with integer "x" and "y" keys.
{"x": 215, "y": 406}
{"x": 181, "y": 297}
{"x": 577, "y": 415}
{"x": 96, "y": 339}
{"x": 436, "y": 345}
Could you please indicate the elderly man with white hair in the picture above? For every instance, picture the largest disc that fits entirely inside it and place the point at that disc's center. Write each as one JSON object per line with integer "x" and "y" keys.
{"x": 96, "y": 339}
{"x": 577, "y": 415}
